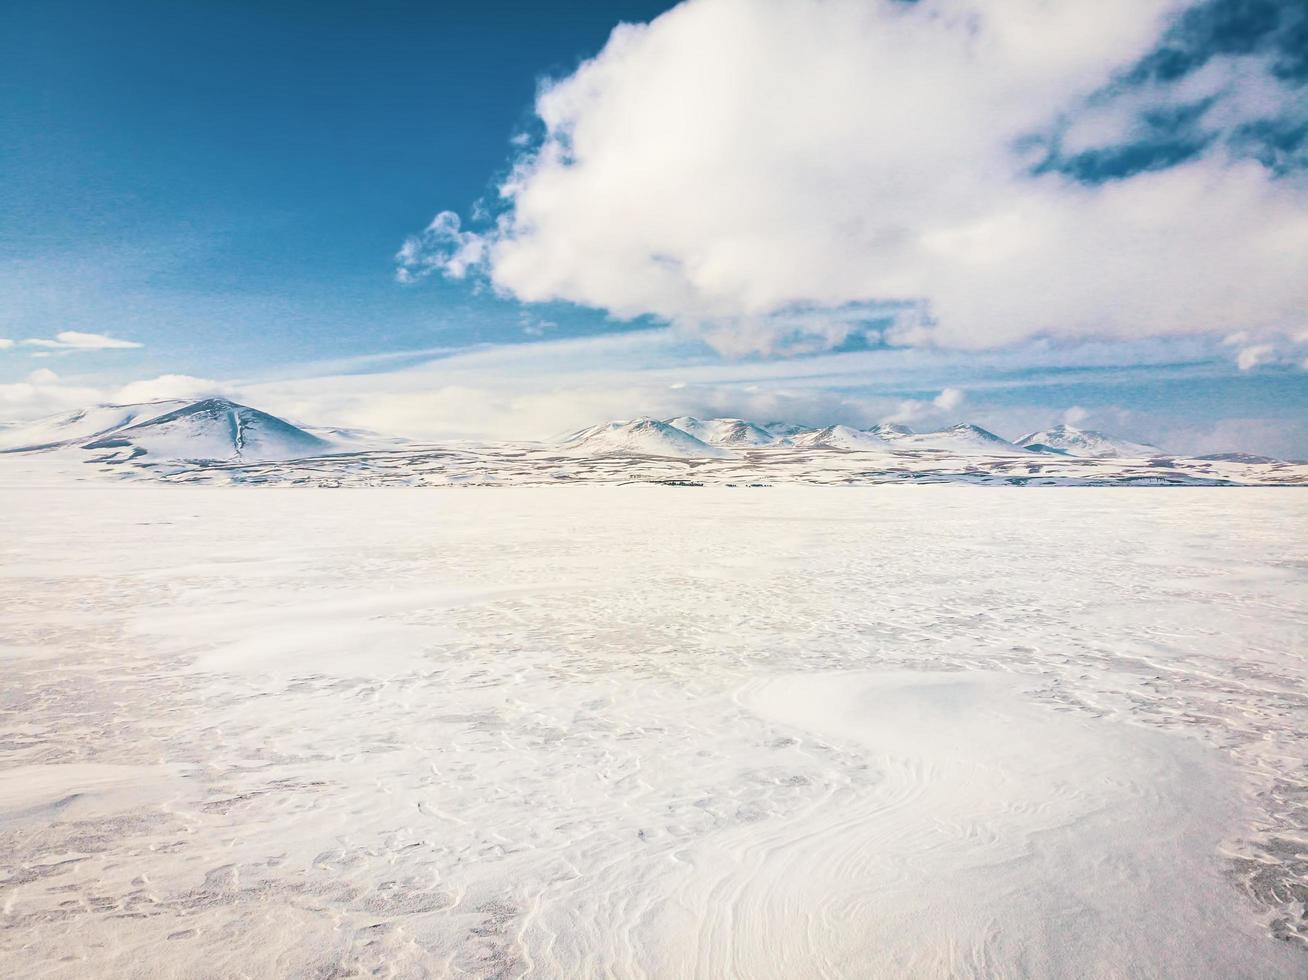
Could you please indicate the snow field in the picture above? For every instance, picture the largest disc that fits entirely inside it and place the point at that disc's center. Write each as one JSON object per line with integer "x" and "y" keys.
{"x": 646, "y": 731}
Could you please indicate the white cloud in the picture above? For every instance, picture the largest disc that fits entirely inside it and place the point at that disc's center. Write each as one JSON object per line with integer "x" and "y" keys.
{"x": 28, "y": 399}
{"x": 5, "y": 342}
{"x": 949, "y": 399}
{"x": 538, "y": 390}
{"x": 922, "y": 413}
{"x": 1075, "y": 415}
{"x": 734, "y": 161}
{"x": 44, "y": 392}
{"x": 1250, "y": 357}
{"x": 1284, "y": 345}
{"x": 1277, "y": 437}
{"x": 441, "y": 246}
{"x": 78, "y": 340}
{"x": 168, "y": 386}
{"x": 535, "y": 390}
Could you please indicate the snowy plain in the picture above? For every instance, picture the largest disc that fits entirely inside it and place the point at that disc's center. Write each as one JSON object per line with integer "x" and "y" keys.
{"x": 650, "y": 731}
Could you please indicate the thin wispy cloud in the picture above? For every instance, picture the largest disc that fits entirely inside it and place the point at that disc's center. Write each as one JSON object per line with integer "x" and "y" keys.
{"x": 539, "y": 390}
{"x": 71, "y": 340}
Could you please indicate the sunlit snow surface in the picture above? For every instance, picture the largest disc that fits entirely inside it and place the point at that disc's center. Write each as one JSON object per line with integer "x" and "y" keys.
{"x": 534, "y": 464}
{"x": 653, "y": 732}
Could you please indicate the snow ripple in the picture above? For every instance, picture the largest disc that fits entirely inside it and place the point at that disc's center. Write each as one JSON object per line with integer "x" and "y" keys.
{"x": 636, "y": 732}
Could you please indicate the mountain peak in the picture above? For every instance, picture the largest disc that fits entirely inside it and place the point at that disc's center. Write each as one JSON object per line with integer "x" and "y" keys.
{"x": 1086, "y": 443}
{"x": 214, "y": 429}
{"x": 839, "y": 437}
{"x": 640, "y": 437}
{"x": 211, "y": 429}
{"x": 723, "y": 432}
{"x": 890, "y": 430}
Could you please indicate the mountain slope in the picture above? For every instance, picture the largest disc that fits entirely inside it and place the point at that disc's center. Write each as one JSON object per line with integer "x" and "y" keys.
{"x": 839, "y": 437}
{"x": 1250, "y": 459}
{"x": 964, "y": 438}
{"x": 640, "y": 437}
{"x": 1087, "y": 443}
{"x": 784, "y": 430}
{"x": 724, "y": 432}
{"x": 214, "y": 429}
{"x": 71, "y": 428}
{"x": 889, "y": 431}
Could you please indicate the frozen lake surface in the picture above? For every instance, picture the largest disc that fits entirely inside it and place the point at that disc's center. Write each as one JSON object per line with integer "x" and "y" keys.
{"x": 941, "y": 731}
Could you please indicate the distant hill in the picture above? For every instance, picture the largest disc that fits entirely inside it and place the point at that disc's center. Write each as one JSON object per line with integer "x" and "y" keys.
{"x": 217, "y": 430}
{"x": 651, "y": 437}
{"x": 213, "y": 429}
{"x": 839, "y": 437}
{"x": 1087, "y": 443}
{"x": 640, "y": 437}
{"x": 71, "y": 428}
{"x": 724, "y": 432}
{"x": 964, "y": 438}
{"x": 1247, "y": 458}
{"x": 889, "y": 431}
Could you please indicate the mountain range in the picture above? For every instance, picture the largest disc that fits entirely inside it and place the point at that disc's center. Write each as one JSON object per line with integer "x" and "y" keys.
{"x": 216, "y": 430}
{"x": 687, "y": 437}
{"x": 215, "y": 440}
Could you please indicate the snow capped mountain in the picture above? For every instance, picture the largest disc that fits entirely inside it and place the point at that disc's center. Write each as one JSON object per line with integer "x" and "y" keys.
{"x": 214, "y": 429}
{"x": 889, "y": 430}
{"x": 783, "y": 430}
{"x": 217, "y": 431}
{"x": 724, "y": 432}
{"x": 70, "y": 428}
{"x": 1087, "y": 443}
{"x": 838, "y": 437}
{"x": 654, "y": 438}
{"x": 640, "y": 437}
{"x": 964, "y": 438}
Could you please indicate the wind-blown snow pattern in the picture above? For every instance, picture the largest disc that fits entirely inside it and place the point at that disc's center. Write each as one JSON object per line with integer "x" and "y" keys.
{"x": 1087, "y": 443}
{"x": 792, "y": 732}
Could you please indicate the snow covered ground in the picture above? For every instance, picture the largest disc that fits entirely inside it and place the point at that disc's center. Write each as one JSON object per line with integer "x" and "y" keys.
{"x": 653, "y": 732}
{"x": 534, "y": 464}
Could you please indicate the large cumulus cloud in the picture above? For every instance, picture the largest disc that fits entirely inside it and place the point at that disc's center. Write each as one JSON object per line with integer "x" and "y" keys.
{"x": 765, "y": 171}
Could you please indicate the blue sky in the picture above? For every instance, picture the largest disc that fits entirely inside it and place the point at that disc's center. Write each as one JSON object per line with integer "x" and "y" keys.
{"x": 226, "y": 186}
{"x": 229, "y": 181}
